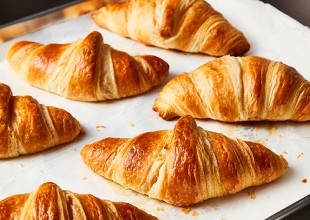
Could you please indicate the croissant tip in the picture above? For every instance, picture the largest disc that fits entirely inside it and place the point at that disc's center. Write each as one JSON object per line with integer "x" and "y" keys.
{"x": 94, "y": 15}
{"x": 158, "y": 64}
{"x": 164, "y": 111}
{"x": 241, "y": 50}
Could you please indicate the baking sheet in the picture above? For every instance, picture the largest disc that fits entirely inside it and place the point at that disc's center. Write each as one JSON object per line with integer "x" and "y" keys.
{"x": 271, "y": 33}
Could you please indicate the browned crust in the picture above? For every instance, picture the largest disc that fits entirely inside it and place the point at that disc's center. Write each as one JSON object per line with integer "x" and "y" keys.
{"x": 185, "y": 165}
{"x": 232, "y": 89}
{"x": 49, "y": 201}
{"x": 190, "y": 26}
{"x": 87, "y": 69}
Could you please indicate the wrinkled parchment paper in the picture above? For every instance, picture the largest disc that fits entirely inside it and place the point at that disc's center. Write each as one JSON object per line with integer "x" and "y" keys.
{"x": 271, "y": 33}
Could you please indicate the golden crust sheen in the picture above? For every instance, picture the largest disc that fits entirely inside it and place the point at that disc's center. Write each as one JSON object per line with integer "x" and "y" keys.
{"x": 235, "y": 89}
{"x": 49, "y": 202}
{"x": 183, "y": 166}
{"x": 190, "y": 26}
{"x": 26, "y": 126}
{"x": 86, "y": 70}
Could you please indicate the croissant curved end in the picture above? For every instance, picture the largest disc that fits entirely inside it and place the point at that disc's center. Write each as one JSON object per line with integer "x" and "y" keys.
{"x": 159, "y": 67}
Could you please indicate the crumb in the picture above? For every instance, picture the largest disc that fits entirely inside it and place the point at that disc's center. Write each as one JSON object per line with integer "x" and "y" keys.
{"x": 100, "y": 126}
{"x": 231, "y": 130}
{"x": 256, "y": 130}
{"x": 252, "y": 195}
{"x": 131, "y": 124}
{"x": 186, "y": 210}
{"x": 300, "y": 155}
{"x": 84, "y": 178}
{"x": 159, "y": 208}
{"x": 272, "y": 129}
{"x": 41, "y": 171}
{"x": 22, "y": 165}
{"x": 304, "y": 181}
{"x": 279, "y": 135}
{"x": 285, "y": 152}
{"x": 195, "y": 213}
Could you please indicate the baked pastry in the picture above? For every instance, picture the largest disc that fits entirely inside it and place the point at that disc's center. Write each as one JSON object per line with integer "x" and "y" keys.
{"x": 26, "y": 126}
{"x": 185, "y": 25}
{"x": 49, "y": 201}
{"x": 86, "y": 70}
{"x": 185, "y": 165}
{"x": 233, "y": 89}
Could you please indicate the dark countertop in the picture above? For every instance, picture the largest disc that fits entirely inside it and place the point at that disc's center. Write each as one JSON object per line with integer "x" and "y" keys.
{"x": 297, "y": 9}
{"x": 10, "y": 13}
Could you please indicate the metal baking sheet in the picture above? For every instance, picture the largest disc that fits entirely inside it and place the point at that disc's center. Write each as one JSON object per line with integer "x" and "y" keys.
{"x": 291, "y": 209}
{"x": 271, "y": 33}
{"x": 44, "y": 18}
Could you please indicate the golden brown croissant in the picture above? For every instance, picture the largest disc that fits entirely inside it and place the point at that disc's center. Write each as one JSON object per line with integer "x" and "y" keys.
{"x": 27, "y": 126}
{"x": 185, "y": 165}
{"x": 49, "y": 202}
{"x": 235, "y": 89}
{"x": 86, "y": 70}
{"x": 186, "y": 25}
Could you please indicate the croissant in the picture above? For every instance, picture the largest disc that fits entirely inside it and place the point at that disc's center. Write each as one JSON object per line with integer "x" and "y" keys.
{"x": 185, "y": 165}
{"x": 49, "y": 202}
{"x": 26, "y": 126}
{"x": 233, "y": 89}
{"x": 86, "y": 70}
{"x": 185, "y": 25}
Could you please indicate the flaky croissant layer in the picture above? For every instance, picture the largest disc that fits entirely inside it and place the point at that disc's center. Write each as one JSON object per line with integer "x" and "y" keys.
{"x": 232, "y": 89}
{"x": 26, "y": 126}
{"x": 87, "y": 69}
{"x": 186, "y": 25}
{"x": 185, "y": 165}
{"x": 50, "y": 202}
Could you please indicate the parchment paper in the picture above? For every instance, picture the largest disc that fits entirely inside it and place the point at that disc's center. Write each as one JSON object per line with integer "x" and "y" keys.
{"x": 271, "y": 33}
